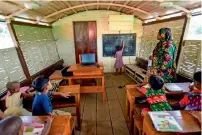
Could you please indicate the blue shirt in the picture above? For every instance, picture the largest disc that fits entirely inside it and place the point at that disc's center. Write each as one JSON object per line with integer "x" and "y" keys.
{"x": 41, "y": 104}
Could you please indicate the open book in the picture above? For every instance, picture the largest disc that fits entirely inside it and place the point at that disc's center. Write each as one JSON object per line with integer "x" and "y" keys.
{"x": 165, "y": 122}
{"x": 33, "y": 128}
{"x": 173, "y": 87}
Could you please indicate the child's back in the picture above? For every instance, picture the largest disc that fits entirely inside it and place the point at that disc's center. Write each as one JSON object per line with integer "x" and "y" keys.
{"x": 156, "y": 95}
{"x": 157, "y": 100}
{"x": 41, "y": 105}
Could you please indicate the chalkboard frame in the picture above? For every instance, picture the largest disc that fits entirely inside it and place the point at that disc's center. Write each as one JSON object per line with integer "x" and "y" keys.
{"x": 133, "y": 34}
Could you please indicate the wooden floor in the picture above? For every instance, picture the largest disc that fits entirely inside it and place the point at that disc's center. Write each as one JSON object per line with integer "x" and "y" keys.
{"x": 107, "y": 118}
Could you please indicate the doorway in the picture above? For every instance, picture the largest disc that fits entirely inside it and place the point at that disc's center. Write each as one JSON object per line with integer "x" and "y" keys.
{"x": 85, "y": 38}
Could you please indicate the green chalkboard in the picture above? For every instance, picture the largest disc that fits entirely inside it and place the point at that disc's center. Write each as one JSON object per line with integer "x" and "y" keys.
{"x": 110, "y": 41}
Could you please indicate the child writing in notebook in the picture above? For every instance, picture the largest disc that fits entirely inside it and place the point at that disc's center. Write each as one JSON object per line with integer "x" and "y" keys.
{"x": 14, "y": 100}
{"x": 155, "y": 95}
{"x": 119, "y": 60}
{"x": 42, "y": 104}
{"x": 13, "y": 125}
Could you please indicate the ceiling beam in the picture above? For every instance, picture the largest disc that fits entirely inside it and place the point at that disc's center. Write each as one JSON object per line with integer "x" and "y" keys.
{"x": 177, "y": 7}
{"x": 142, "y": 5}
{"x": 69, "y": 5}
{"x": 181, "y": 8}
{"x": 18, "y": 6}
{"x": 84, "y": 6}
{"x": 97, "y": 4}
{"x": 110, "y": 5}
{"x": 52, "y": 7}
{"x": 17, "y": 13}
{"x": 126, "y": 3}
{"x": 94, "y": 4}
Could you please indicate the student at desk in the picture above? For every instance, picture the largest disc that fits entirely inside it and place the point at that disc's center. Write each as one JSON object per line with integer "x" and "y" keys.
{"x": 192, "y": 100}
{"x": 42, "y": 104}
{"x": 155, "y": 95}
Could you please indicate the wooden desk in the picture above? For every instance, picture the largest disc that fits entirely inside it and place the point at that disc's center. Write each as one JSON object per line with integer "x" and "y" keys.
{"x": 61, "y": 125}
{"x": 80, "y": 72}
{"x": 189, "y": 124}
{"x": 132, "y": 94}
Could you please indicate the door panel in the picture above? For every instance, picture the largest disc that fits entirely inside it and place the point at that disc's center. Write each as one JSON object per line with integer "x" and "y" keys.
{"x": 85, "y": 37}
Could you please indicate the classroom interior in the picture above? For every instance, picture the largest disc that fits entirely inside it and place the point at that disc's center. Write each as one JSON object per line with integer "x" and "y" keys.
{"x": 56, "y": 38}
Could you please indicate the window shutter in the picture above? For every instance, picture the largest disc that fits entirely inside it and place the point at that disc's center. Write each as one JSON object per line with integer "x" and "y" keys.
{"x": 10, "y": 67}
{"x": 38, "y": 47}
{"x": 150, "y": 32}
{"x": 190, "y": 58}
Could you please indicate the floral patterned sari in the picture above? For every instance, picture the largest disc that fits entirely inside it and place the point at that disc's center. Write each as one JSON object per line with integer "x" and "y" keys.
{"x": 163, "y": 63}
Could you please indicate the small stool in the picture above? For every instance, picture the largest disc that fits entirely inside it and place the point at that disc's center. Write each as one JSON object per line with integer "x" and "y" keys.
{"x": 138, "y": 125}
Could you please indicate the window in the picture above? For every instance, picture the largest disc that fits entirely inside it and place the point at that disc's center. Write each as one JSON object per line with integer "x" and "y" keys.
{"x": 190, "y": 60}
{"x": 150, "y": 32}
{"x": 195, "y": 28}
{"x": 10, "y": 67}
{"x": 5, "y": 39}
{"x": 38, "y": 46}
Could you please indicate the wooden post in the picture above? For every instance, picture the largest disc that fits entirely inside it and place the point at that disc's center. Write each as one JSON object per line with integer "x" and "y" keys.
{"x": 181, "y": 41}
{"x": 19, "y": 51}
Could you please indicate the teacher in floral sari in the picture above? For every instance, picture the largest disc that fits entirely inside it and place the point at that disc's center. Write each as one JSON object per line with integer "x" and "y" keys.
{"x": 164, "y": 57}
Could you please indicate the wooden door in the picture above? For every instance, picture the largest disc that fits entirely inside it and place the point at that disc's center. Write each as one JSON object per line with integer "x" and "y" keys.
{"x": 85, "y": 38}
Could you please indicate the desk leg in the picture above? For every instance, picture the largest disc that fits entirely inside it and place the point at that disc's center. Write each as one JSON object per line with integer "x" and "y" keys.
{"x": 127, "y": 107}
{"x": 131, "y": 119}
{"x": 70, "y": 81}
{"x": 73, "y": 131}
{"x": 103, "y": 89}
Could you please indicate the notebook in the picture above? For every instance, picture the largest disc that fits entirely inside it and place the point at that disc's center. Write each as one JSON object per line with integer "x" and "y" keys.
{"x": 173, "y": 87}
{"x": 165, "y": 122}
{"x": 33, "y": 128}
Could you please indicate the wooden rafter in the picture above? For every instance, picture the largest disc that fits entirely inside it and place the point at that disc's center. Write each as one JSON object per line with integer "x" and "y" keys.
{"x": 181, "y": 8}
{"x": 144, "y": 4}
{"x": 94, "y": 4}
{"x": 126, "y": 3}
{"x": 177, "y": 7}
{"x": 18, "y": 6}
{"x": 110, "y": 5}
{"x": 17, "y": 13}
{"x": 84, "y": 6}
{"x": 69, "y": 5}
{"x": 53, "y": 7}
{"x": 97, "y": 4}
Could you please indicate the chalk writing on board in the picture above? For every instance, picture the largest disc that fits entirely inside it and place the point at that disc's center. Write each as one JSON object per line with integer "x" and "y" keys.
{"x": 110, "y": 41}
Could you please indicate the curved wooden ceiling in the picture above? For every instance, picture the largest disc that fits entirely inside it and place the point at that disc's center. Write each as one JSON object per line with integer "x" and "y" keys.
{"x": 51, "y": 11}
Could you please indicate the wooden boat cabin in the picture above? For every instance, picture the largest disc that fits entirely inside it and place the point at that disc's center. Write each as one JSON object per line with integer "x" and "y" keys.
{"x": 100, "y": 67}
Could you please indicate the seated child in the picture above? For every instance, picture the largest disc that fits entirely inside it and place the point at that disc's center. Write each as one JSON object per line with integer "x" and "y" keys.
{"x": 42, "y": 104}
{"x": 192, "y": 100}
{"x": 155, "y": 94}
{"x": 13, "y": 125}
{"x": 53, "y": 91}
{"x": 14, "y": 100}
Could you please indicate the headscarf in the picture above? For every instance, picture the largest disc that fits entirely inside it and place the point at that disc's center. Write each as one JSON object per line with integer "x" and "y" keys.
{"x": 168, "y": 35}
